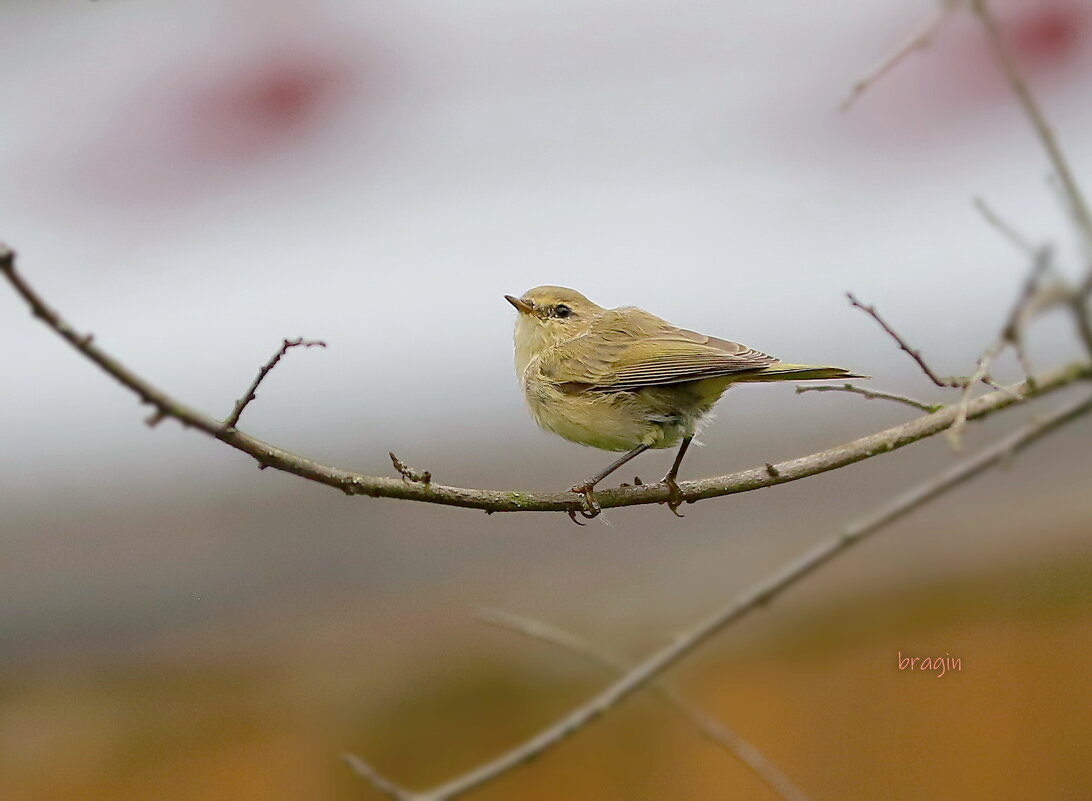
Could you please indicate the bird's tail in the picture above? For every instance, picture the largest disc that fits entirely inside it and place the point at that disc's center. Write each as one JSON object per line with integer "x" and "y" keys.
{"x": 797, "y": 372}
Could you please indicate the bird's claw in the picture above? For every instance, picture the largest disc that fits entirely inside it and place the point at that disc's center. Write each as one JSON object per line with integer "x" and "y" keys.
{"x": 591, "y": 508}
{"x": 675, "y": 496}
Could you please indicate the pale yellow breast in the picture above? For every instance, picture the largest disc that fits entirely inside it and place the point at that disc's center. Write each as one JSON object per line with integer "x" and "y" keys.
{"x": 612, "y": 421}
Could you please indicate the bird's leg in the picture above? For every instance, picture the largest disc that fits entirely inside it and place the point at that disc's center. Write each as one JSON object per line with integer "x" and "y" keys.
{"x": 675, "y": 499}
{"x": 591, "y": 507}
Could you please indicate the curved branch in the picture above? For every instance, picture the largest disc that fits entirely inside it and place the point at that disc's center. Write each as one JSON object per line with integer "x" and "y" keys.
{"x": 500, "y": 501}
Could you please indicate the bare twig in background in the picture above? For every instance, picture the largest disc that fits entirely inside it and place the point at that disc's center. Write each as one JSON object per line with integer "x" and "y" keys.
{"x": 1077, "y": 205}
{"x": 913, "y": 353}
{"x": 506, "y": 501}
{"x": 874, "y": 394}
{"x": 712, "y": 728}
{"x": 1031, "y": 301}
{"x": 757, "y": 597}
{"x": 1079, "y": 301}
{"x": 1006, "y": 228}
{"x": 378, "y": 780}
{"x": 1078, "y": 298}
{"x": 919, "y": 41}
{"x": 251, "y": 393}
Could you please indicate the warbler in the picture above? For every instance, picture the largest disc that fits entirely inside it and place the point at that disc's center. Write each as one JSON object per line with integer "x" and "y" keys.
{"x": 625, "y": 380}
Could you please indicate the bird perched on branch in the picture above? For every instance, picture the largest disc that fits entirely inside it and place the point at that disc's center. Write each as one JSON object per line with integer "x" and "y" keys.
{"x": 625, "y": 380}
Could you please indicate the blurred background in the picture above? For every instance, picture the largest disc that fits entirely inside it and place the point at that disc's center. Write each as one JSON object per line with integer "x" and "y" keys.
{"x": 195, "y": 181}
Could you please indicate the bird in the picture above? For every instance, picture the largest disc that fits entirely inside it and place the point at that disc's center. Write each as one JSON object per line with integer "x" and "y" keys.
{"x": 625, "y": 380}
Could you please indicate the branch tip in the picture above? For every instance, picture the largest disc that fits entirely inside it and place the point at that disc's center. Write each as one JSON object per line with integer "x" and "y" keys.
{"x": 251, "y": 394}
{"x": 408, "y": 473}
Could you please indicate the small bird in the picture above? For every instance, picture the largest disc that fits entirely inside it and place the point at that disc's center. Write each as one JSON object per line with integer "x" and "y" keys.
{"x": 625, "y": 380}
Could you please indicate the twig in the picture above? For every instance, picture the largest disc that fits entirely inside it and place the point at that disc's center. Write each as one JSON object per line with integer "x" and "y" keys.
{"x": 408, "y": 473}
{"x": 757, "y": 597}
{"x": 1007, "y": 229}
{"x": 506, "y": 501}
{"x": 1030, "y": 302}
{"x": 1079, "y": 301}
{"x": 919, "y": 41}
{"x": 874, "y": 394}
{"x": 716, "y": 731}
{"x": 1077, "y": 204}
{"x": 951, "y": 381}
{"x": 251, "y": 393}
{"x": 377, "y": 779}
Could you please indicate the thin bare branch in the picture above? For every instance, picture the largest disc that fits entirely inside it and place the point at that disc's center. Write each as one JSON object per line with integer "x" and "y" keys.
{"x": 1034, "y": 297}
{"x": 874, "y": 394}
{"x": 712, "y": 728}
{"x": 377, "y": 780}
{"x": 1006, "y": 228}
{"x": 1079, "y": 303}
{"x": 920, "y": 40}
{"x": 758, "y": 597}
{"x": 913, "y": 353}
{"x": 251, "y": 393}
{"x": 1077, "y": 204}
{"x": 506, "y": 501}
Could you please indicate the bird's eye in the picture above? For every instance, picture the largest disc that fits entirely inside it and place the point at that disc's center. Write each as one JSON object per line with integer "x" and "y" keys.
{"x": 562, "y": 311}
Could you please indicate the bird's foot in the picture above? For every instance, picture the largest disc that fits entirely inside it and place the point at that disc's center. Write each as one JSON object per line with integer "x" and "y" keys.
{"x": 675, "y": 497}
{"x": 591, "y": 507}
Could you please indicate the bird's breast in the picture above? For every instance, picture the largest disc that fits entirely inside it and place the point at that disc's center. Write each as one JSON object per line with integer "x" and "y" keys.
{"x": 613, "y": 421}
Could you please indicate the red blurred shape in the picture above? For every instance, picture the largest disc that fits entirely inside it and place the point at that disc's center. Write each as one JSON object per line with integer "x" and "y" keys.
{"x": 265, "y": 104}
{"x": 1047, "y": 33}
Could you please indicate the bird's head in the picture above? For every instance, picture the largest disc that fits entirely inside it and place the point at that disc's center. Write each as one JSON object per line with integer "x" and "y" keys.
{"x": 549, "y": 315}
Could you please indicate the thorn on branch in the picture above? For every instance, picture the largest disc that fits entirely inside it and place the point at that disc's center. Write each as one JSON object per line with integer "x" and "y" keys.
{"x": 773, "y": 471}
{"x": 251, "y": 393}
{"x": 157, "y": 417}
{"x": 408, "y": 473}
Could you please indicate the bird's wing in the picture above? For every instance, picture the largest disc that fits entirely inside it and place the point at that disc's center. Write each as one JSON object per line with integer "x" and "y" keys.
{"x": 626, "y": 349}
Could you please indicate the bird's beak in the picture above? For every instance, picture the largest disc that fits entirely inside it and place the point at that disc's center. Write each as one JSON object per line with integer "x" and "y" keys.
{"x": 522, "y": 306}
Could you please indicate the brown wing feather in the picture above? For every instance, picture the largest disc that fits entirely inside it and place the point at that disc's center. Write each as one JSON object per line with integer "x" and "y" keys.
{"x": 627, "y": 349}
